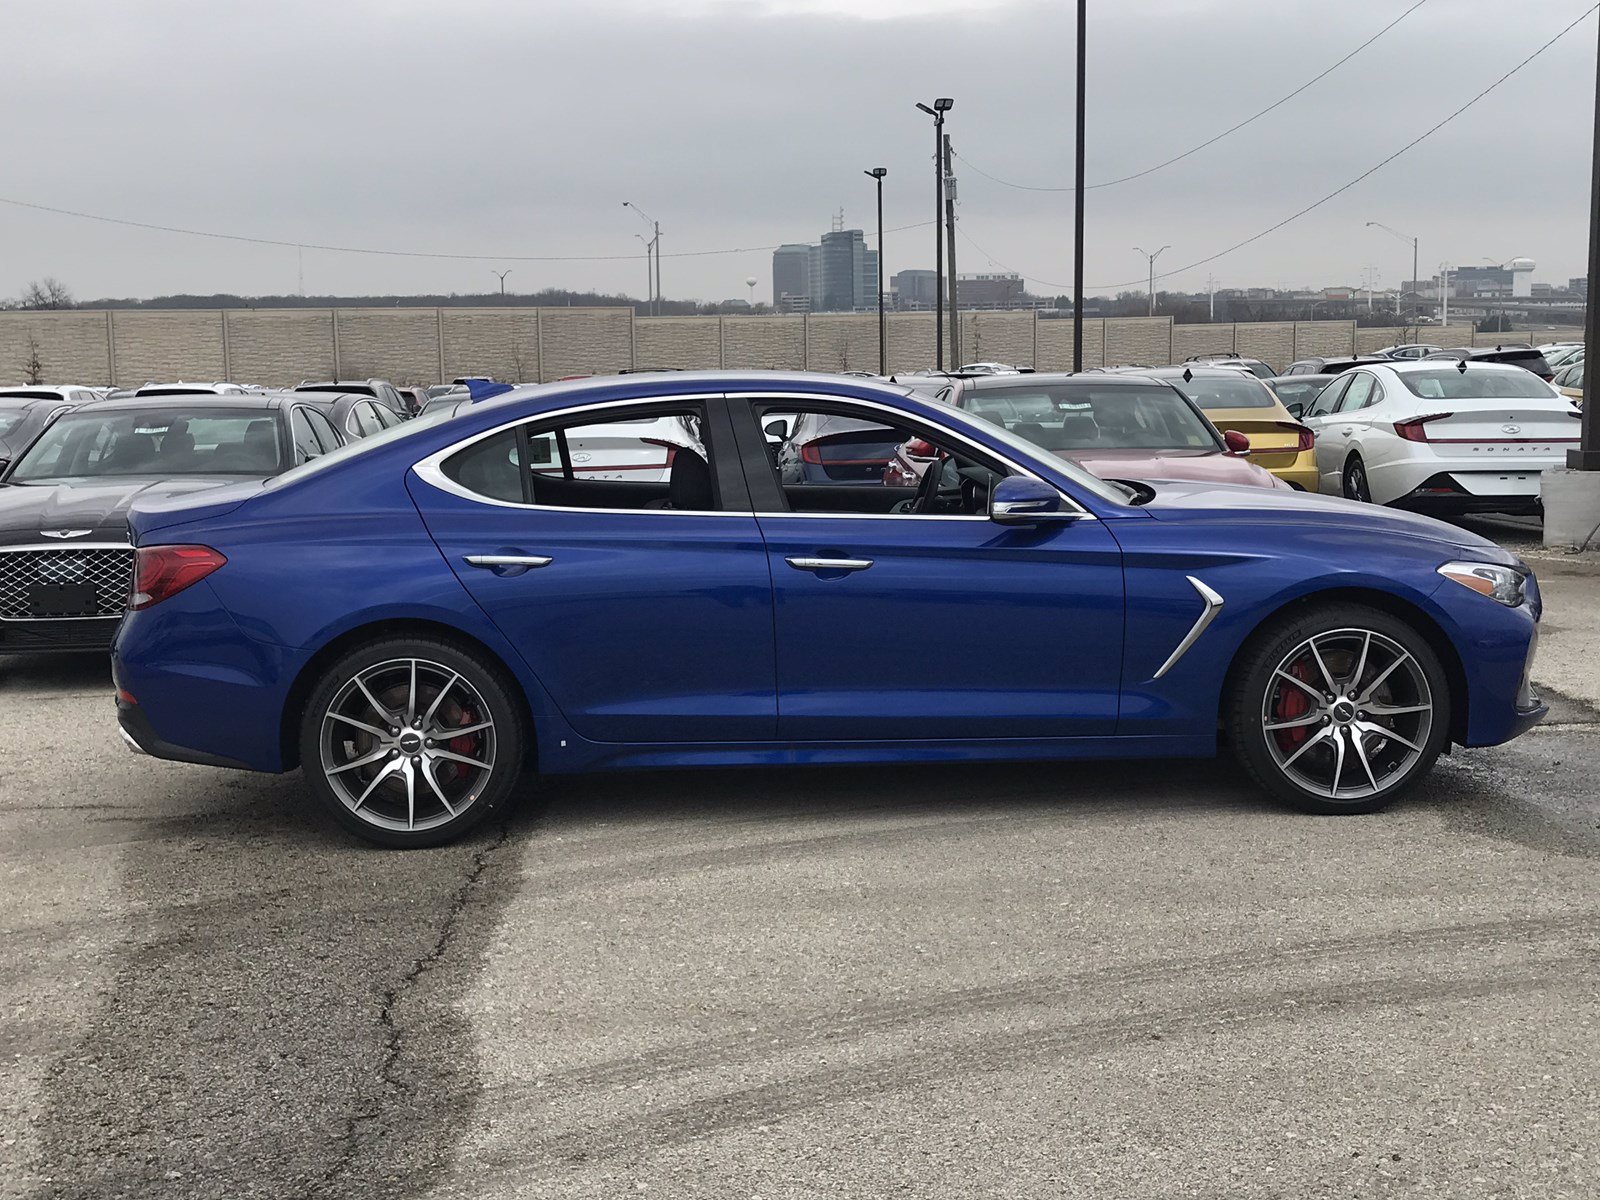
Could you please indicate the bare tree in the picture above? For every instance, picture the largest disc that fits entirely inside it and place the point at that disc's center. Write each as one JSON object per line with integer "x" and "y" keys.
{"x": 33, "y": 365}
{"x": 48, "y": 292}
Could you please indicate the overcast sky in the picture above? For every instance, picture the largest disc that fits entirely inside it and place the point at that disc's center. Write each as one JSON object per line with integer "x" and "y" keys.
{"x": 518, "y": 127}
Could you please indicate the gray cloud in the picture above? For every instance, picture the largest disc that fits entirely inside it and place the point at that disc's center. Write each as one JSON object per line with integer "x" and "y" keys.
{"x": 499, "y": 127}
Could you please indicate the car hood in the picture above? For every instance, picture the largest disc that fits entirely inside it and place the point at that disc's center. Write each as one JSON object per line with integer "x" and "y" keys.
{"x": 1201, "y": 466}
{"x": 97, "y": 505}
{"x": 1219, "y": 503}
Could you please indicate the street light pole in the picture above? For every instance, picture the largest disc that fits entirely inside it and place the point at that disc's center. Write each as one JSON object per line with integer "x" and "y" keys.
{"x": 950, "y": 235}
{"x": 1152, "y": 259}
{"x": 654, "y": 226}
{"x": 877, "y": 174}
{"x": 940, "y": 107}
{"x": 1400, "y": 292}
{"x": 649, "y": 271}
{"x": 1587, "y": 456}
{"x": 1077, "y": 205}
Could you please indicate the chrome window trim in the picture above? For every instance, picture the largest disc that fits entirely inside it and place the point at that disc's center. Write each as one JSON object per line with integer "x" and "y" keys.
{"x": 61, "y": 546}
{"x": 430, "y": 469}
{"x": 1213, "y": 605}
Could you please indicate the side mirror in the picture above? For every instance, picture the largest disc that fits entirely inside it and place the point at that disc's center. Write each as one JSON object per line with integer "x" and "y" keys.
{"x": 778, "y": 428}
{"x": 1236, "y": 442}
{"x": 1297, "y": 408}
{"x": 1017, "y": 500}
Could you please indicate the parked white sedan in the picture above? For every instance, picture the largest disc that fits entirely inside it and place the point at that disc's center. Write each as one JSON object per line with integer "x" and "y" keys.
{"x": 1440, "y": 436}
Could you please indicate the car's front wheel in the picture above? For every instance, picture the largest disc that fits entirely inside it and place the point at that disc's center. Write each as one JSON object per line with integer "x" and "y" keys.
{"x": 1340, "y": 709}
{"x": 412, "y": 742}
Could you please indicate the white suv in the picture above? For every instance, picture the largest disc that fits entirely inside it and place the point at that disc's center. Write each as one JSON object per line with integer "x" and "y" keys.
{"x": 1441, "y": 436}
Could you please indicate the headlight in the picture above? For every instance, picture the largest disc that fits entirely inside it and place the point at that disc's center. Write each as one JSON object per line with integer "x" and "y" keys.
{"x": 1503, "y": 584}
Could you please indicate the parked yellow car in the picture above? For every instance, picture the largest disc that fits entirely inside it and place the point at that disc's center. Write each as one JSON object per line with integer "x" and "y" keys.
{"x": 1569, "y": 382}
{"x": 1236, "y": 399}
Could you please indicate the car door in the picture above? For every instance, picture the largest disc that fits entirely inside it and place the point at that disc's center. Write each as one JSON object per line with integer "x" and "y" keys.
{"x": 1330, "y": 448}
{"x": 924, "y": 627}
{"x": 643, "y": 605}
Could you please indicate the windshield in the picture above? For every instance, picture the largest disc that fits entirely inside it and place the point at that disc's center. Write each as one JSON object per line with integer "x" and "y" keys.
{"x": 1081, "y": 416}
{"x": 1450, "y": 383}
{"x": 9, "y": 420}
{"x": 361, "y": 445}
{"x": 1230, "y": 391}
{"x": 1082, "y": 478}
{"x": 163, "y": 441}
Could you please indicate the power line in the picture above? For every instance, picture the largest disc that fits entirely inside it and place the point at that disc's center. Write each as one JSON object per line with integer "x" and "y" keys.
{"x": 1418, "y": 140}
{"x": 1211, "y": 141}
{"x": 300, "y": 245}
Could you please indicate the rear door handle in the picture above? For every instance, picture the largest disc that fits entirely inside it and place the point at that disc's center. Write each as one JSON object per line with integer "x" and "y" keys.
{"x": 829, "y": 564}
{"x": 491, "y": 561}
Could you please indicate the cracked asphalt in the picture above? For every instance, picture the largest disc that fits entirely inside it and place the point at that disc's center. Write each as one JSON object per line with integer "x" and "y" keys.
{"x": 1095, "y": 980}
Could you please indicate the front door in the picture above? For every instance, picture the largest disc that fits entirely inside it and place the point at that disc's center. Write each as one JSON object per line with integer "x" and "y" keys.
{"x": 617, "y": 552}
{"x": 902, "y": 611}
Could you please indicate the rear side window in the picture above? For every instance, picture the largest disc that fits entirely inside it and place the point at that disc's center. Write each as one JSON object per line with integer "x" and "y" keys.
{"x": 491, "y": 467}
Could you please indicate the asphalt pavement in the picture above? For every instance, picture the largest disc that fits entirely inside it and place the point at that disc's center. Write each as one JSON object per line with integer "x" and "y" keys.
{"x": 1088, "y": 980}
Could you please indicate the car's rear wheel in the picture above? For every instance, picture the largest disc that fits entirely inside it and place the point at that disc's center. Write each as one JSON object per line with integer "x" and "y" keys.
{"x": 412, "y": 742}
{"x": 1356, "y": 486}
{"x": 1339, "y": 710}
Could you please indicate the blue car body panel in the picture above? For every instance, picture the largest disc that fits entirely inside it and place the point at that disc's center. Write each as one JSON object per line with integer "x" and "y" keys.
{"x": 657, "y": 638}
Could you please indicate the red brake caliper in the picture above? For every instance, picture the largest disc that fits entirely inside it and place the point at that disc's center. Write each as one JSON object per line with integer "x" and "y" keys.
{"x": 1291, "y": 705}
{"x": 465, "y": 744}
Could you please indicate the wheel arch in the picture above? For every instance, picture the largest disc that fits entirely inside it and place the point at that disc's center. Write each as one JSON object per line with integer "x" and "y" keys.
{"x": 381, "y": 630}
{"x": 1386, "y": 602}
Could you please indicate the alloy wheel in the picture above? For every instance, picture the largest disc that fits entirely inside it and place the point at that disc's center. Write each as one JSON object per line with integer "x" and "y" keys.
{"x": 1355, "y": 482}
{"x": 1347, "y": 714}
{"x": 407, "y": 744}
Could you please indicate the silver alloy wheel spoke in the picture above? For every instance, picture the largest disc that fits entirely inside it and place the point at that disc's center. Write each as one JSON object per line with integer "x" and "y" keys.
{"x": 1338, "y": 760}
{"x": 361, "y": 725}
{"x": 433, "y": 708}
{"x": 452, "y": 756}
{"x": 1373, "y": 687}
{"x": 380, "y": 709}
{"x": 1361, "y": 753}
{"x": 1301, "y": 684}
{"x": 1297, "y": 723}
{"x": 1394, "y": 710}
{"x": 443, "y": 733}
{"x": 411, "y": 695}
{"x": 365, "y": 760}
{"x": 410, "y": 770}
{"x": 427, "y": 773}
{"x": 1385, "y": 731}
{"x": 1327, "y": 675}
{"x": 371, "y": 787}
{"x": 1361, "y": 663}
{"x": 1315, "y": 739}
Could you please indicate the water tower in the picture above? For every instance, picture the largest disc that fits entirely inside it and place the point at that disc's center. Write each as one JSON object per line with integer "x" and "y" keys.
{"x": 1521, "y": 276}
{"x": 750, "y": 282}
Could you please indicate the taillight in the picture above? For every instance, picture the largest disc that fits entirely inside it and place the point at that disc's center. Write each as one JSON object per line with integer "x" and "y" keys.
{"x": 160, "y": 572}
{"x": 1305, "y": 437}
{"x": 921, "y": 448}
{"x": 1414, "y": 429}
{"x": 810, "y": 453}
{"x": 670, "y": 447}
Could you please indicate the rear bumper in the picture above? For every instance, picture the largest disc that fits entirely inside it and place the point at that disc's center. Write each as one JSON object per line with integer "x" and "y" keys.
{"x": 141, "y": 738}
{"x": 60, "y": 635}
{"x": 1301, "y": 473}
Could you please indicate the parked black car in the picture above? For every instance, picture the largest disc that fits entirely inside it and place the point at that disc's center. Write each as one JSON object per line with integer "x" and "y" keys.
{"x": 1332, "y": 366}
{"x": 23, "y": 417}
{"x": 66, "y": 564}
{"x": 1297, "y": 391}
{"x": 352, "y": 414}
{"x": 379, "y": 389}
{"x": 1525, "y": 357}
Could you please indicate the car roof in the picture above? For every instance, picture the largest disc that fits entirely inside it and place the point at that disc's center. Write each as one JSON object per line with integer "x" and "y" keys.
{"x": 245, "y": 400}
{"x": 989, "y": 382}
{"x": 1303, "y": 377}
{"x": 1197, "y": 371}
{"x": 1411, "y": 366}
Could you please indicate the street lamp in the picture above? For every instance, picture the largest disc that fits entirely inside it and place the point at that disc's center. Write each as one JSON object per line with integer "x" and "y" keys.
{"x": 937, "y": 112}
{"x": 1400, "y": 293}
{"x": 502, "y": 275}
{"x": 877, "y": 174}
{"x": 649, "y": 280}
{"x": 655, "y": 243}
{"x": 1152, "y": 262}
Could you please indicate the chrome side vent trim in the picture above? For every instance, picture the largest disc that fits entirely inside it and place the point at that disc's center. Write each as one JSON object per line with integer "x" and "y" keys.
{"x": 1213, "y": 605}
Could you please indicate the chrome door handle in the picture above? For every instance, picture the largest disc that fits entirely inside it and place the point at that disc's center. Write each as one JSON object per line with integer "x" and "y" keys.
{"x": 829, "y": 564}
{"x": 508, "y": 560}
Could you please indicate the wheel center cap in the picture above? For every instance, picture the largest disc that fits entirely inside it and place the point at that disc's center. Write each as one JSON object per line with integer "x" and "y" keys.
{"x": 1344, "y": 712}
{"x": 410, "y": 742}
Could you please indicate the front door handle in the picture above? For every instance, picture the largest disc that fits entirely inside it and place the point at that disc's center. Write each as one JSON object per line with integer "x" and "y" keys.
{"x": 1347, "y": 431}
{"x": 498, "y": 562}
{"x": 829, "y": 564}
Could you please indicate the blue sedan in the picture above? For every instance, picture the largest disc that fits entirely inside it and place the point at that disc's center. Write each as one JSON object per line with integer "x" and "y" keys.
{"x": 428, "y": 618}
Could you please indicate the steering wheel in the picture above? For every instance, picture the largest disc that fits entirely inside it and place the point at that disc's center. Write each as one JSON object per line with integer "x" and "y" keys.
{"x": 927, "y": 497}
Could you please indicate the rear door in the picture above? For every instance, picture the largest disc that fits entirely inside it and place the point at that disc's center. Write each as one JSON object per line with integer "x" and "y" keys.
{"x": 643, "y": 603}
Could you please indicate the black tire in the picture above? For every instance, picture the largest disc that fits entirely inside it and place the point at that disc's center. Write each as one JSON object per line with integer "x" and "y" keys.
{"x": 1257, "y": 693}
{"x": 1356, "y": 485}
{"x": 491, "y": 735}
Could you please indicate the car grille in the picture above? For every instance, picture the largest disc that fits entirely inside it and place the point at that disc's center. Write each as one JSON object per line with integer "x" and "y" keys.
{"x": 108, "y": 570}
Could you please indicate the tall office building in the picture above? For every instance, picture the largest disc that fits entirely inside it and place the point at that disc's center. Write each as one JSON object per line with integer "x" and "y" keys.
{"x": 838, "y": 275}
{"x": 791, "y": 277}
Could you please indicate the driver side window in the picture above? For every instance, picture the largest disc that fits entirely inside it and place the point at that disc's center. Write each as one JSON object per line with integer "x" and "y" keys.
{"x": 845, "y": 460}
{"x": 1328, "y": 397}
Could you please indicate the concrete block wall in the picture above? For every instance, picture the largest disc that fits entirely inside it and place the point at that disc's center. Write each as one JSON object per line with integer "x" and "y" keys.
{"x": 400, "y": 345}
{"x": 584, "y": 341}
{"x": 688, "y": 343}
{"x": 1321, "y": 339}
{"x": 842, "y": 342}
{"x": 1189, "y": 340}
{"x": 1146, "y": 341}
{"x": 156, "y": 345}
{"x": 764, "y": 343}
{"x": 997, "y": 337}
{"x": 500, "y": 343}
{"x": 278, "y": 347}
{"x": 1055, "y": 345}
{"x": 1270, "y": 341}
{"x": 72, "y": 347}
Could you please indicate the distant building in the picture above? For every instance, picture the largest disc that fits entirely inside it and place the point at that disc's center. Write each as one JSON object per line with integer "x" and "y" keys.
{"x": 914, "y": 288}
{"x": 1514, "y": 278}
{"x": 990, "y": 291}
{"x": 1578, "y": 285}
{"x": 791, "y": 277}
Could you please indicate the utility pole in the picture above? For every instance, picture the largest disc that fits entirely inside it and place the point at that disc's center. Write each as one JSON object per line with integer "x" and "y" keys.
{"x": 654, "y": 226}
{"x": 1444, "y": 295}
{"x": 950, "y": 233}
{"x": 937, "y": 112}
{"x": 660, "y": 301}
{"x": 649, "y": 271}
{"x": 1372, "y": 277}
{"x": 1152, "y": 262}
{"x": 877, "y": 174}
{"x": 1211, "y": 293}
{"x": 1400, "y": 292}
{"x": 1077, "y": 207}
{"x": 1587, "y": 456}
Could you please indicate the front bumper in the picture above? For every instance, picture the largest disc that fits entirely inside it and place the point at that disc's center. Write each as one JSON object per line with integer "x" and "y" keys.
{"x": 46, "y": 635}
